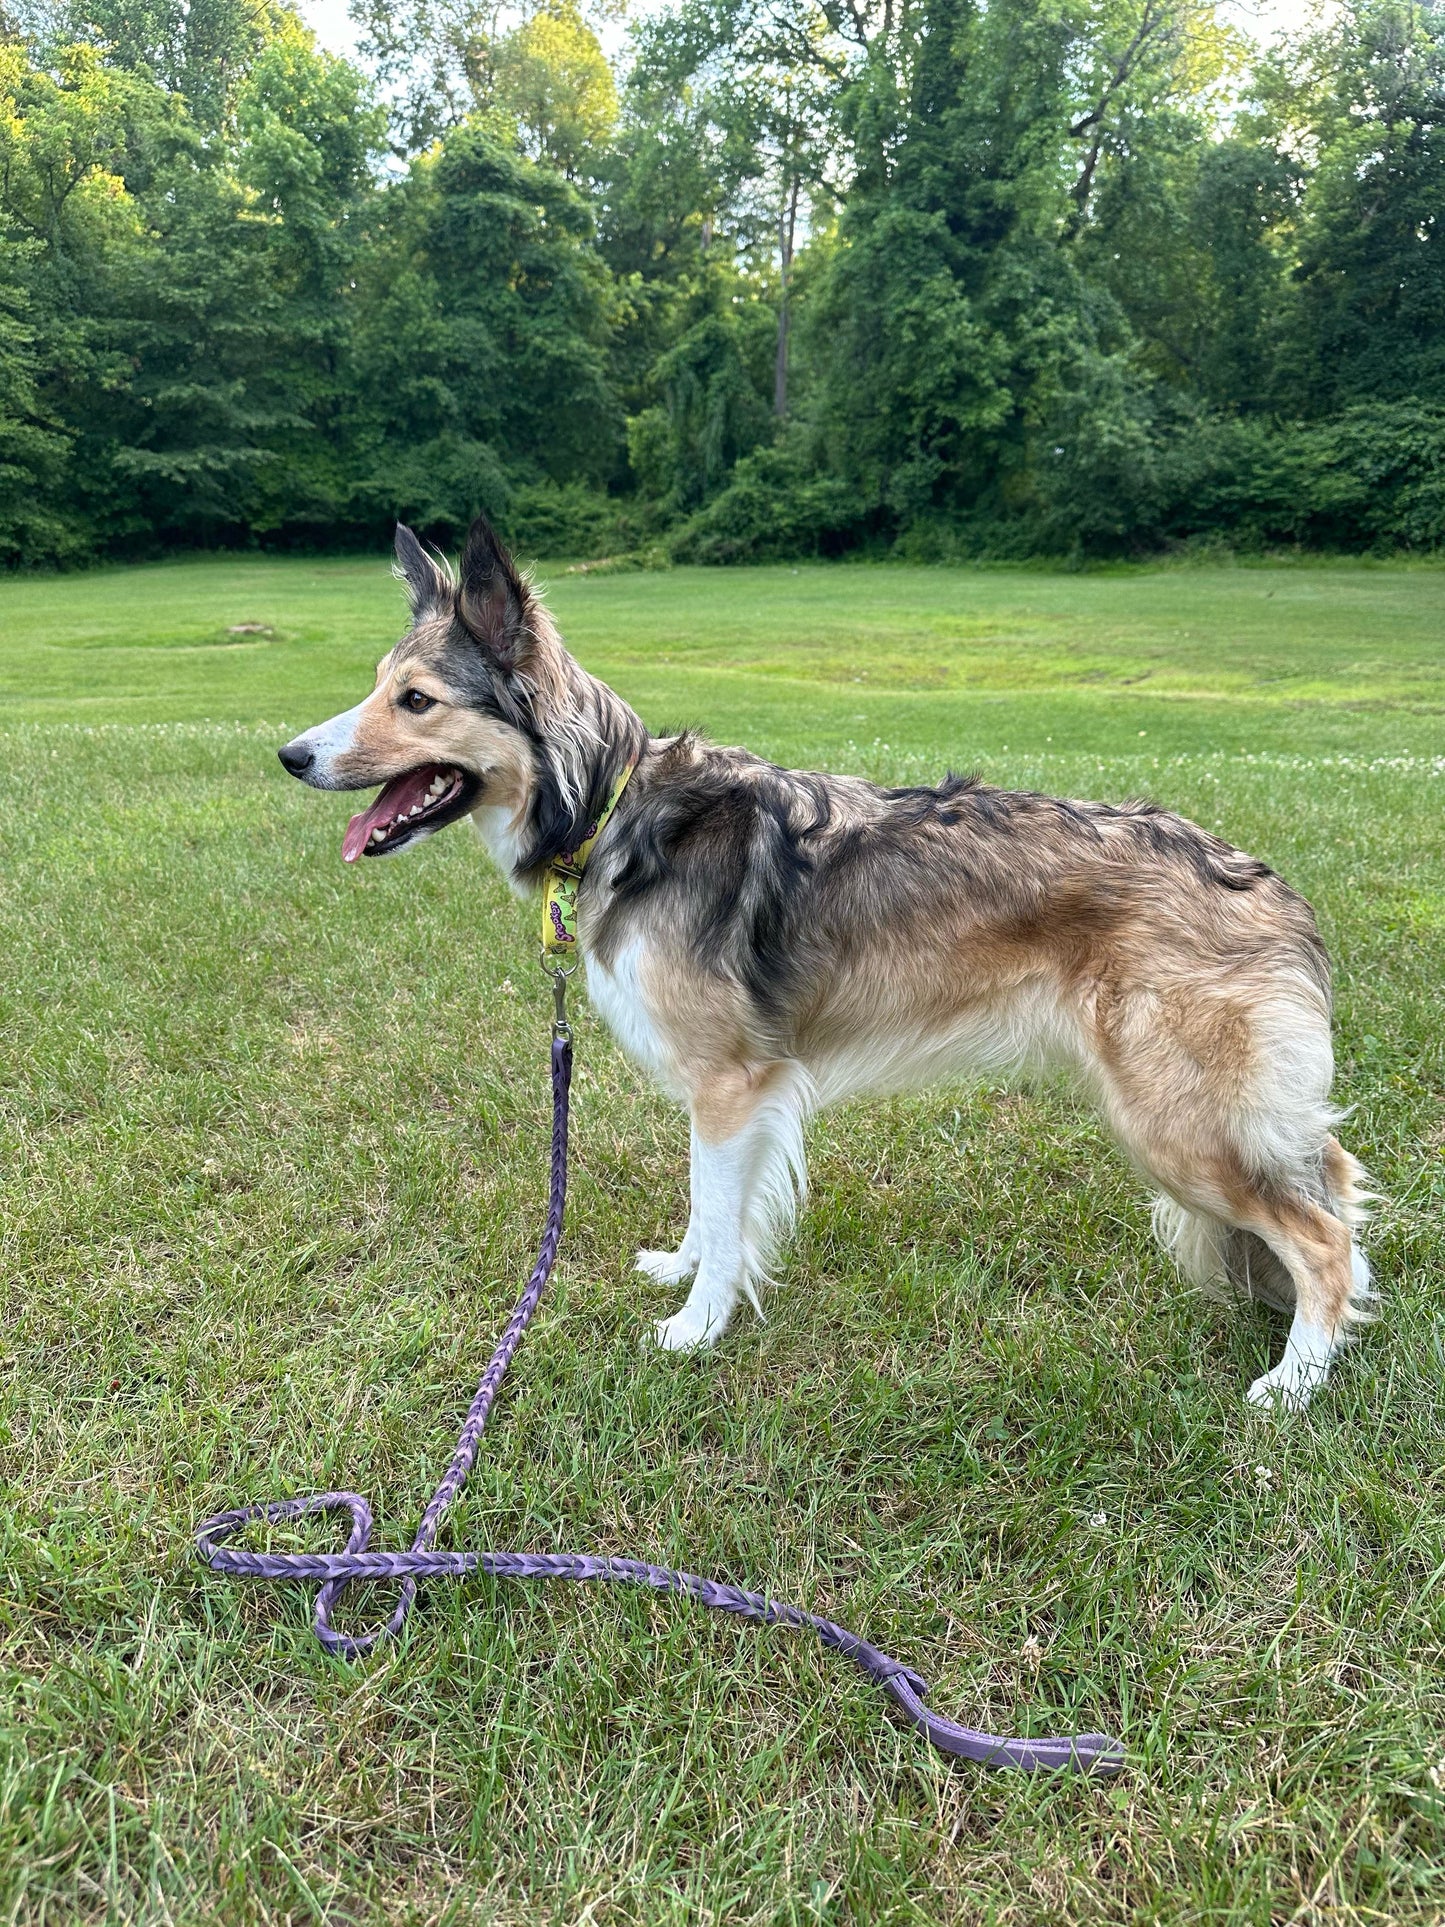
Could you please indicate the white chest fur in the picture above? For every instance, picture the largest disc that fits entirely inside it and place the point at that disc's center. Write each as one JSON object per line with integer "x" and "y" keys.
{"x": 499, "y": 825}
{"x": 617, "y": 997}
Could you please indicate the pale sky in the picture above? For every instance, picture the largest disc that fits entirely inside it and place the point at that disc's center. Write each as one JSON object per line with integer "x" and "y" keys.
{"x": 327, "y": 20}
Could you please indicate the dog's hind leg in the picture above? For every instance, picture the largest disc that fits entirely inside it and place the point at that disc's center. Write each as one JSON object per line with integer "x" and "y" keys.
{"x": 1292, "y": 1250}
{"x": 1315, "y": 1248}
{"x": 747, "y": 1176}
{"x": 1225, "y": 1102}
{"x": 672, "y": 1267}
{"x": 1313, "y": 1238}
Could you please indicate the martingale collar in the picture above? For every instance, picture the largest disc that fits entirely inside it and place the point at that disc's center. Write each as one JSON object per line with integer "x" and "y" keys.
{"x": 559, "y": 891}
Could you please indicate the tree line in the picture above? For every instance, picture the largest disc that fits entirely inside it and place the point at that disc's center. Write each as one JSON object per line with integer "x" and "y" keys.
{"x": 780, "y": 277}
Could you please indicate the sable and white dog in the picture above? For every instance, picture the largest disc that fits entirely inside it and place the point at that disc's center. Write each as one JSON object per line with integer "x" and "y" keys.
{"x": 767, "y": 941}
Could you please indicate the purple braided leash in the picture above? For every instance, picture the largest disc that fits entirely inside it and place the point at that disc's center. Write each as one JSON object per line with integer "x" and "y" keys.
{"x": 1091, "y": 1752}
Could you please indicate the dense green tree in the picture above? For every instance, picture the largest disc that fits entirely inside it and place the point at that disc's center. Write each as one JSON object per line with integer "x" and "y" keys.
{"x": 70, "y": 137}
{"x": 961, "y": 345}
{"x": 33, "y": 450}
{"x": 482, "y": 336}
{"x": 765, "y": 84}
{"x": 976, "y": 276}
{"x": 535, "y": 64}
{"x": 711, "y": 413}
{"x": 197, "y": 50}
{"x": 553, "y": 82}
{"x": 236, "y": 310}
{"x": 1365, "y": 97}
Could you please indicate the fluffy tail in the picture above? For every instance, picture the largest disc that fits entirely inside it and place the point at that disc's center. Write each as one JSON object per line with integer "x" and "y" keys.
{"x": 1346, "y": 1182}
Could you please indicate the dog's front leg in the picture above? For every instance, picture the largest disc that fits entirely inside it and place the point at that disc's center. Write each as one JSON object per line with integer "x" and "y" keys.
{"x": 722, "y": 1176}
{"x": 747, "y": 1176}
{"x": 671, "y": 1267}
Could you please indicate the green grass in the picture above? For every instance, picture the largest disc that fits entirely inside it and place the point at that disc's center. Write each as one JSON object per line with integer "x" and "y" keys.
{"x": 275, "y": 1137}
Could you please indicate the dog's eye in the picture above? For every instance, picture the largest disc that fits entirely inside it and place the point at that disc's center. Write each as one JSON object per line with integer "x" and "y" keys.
{"x": 417, "y": 703}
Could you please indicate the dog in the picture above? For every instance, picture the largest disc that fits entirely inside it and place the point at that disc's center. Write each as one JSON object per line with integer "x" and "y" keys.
{"x": 765, "y": 942}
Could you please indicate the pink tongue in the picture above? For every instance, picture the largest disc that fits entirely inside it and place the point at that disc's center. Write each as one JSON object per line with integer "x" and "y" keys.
{"x": 395, "y": 800}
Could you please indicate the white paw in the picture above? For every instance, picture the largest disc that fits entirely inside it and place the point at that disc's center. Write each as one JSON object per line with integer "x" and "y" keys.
{"x": 667, "y": 1267}
{"x": 1284, "y": 1389}
{"x": 688, "y": 1331}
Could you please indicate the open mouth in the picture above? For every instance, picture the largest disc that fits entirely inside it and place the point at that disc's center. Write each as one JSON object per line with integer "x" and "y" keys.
{"x": 410, "y": 806}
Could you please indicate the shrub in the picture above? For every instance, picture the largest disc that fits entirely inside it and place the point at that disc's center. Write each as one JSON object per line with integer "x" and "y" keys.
{"x": 1117, "y": 479}
{"x": 1378, "y": 477}
{"x": 712, "y": 413}
{"x": 774, "y": 507}
{"x": 546, "y": 519}
{"x": 1371, "y": 478}
{"x": 436, "y": 488}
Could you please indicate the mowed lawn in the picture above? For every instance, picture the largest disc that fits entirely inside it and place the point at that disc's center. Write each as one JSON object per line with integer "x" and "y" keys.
{"x": 274, "y": 1147}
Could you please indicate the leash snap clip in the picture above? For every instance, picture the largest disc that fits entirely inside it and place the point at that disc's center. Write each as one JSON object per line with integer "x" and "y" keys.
{"x": 561, "y": 1029}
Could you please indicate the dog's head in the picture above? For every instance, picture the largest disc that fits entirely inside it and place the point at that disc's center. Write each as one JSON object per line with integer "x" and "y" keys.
{"x": 454, "y": 720}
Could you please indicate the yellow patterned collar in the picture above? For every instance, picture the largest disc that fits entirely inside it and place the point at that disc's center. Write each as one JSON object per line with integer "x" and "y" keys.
{"x": 559, "y": 891}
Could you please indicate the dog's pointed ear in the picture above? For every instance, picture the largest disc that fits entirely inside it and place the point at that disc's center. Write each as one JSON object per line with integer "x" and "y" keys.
{"x": 494, "y": 601}
{"x": 426, "y": 586}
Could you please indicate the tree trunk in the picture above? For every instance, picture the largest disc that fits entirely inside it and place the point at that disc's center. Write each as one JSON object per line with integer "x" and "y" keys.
{"x": 787, "y": 229}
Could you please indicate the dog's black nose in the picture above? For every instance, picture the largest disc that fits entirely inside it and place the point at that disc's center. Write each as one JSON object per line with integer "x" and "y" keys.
{"x": 296, "y": 757}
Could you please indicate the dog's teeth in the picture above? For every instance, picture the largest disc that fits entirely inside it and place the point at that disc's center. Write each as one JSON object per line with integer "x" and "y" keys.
{"x": 438, "y": 784}
{"x": 378, "y": 836}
